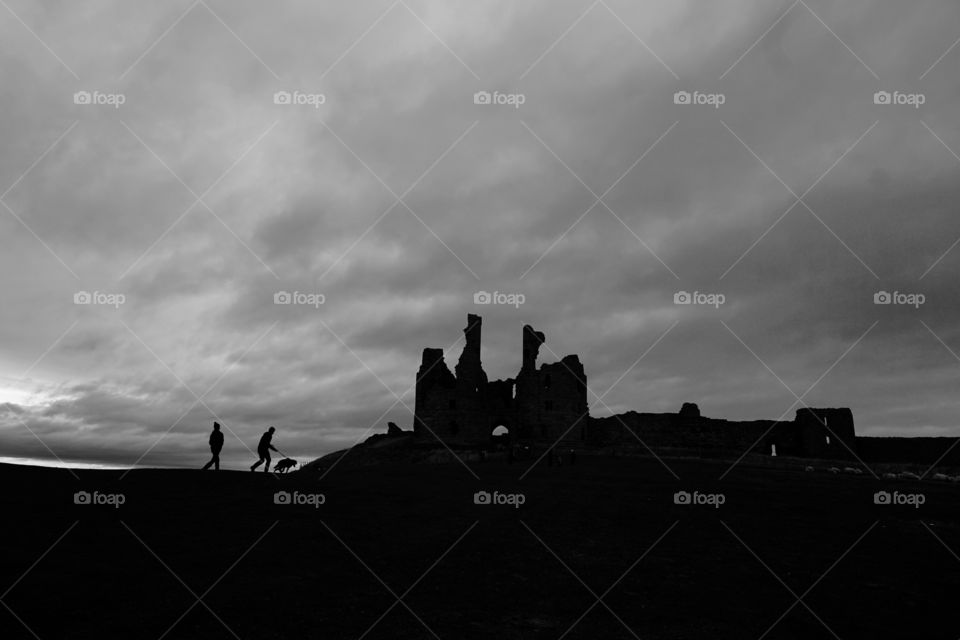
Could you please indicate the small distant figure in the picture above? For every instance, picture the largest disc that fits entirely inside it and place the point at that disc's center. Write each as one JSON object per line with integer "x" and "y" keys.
{"x": 263, "y": 450}
{"x": 216, "y": 444}
{"x": 573, "y": 457}
{"x": 285, "y": 465}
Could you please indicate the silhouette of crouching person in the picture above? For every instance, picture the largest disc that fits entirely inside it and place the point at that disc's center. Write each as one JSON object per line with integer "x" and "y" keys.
{"x": 216, "y": 444}
{"x": 263, "y": 450}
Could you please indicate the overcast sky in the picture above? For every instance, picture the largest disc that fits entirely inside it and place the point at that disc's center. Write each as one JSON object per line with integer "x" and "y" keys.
{"x": 186, "y": 197}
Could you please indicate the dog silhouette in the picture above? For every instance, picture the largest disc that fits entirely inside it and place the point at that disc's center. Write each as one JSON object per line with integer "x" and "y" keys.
{"x": 285, "y": 465}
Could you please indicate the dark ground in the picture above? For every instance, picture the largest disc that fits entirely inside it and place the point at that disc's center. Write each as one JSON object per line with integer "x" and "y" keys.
{"x": 279, "y": 571}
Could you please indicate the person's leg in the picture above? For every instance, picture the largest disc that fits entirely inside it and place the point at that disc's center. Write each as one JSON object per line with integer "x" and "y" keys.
{"x": 266, "y": 467}
{"x": 257, "y": 463}
{"x": 216, "y": 461}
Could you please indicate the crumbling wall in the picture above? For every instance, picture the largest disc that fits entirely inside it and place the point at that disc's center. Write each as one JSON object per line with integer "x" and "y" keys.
{"x": 469, "y": 369}
{"x": 451, "y": 407}
{"x": 826, "y": 433}
{"x": 805, "y": 436}
{"x": 551, "y": 401}
{"x": 671, "y": 430}
{"x": 539, "y": 404}
{"x": 550, "y": 404}
{"x": 435, "y": 407}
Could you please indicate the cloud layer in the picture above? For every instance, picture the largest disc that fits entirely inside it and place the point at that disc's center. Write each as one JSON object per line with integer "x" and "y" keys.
{"x": 598, "y": 198}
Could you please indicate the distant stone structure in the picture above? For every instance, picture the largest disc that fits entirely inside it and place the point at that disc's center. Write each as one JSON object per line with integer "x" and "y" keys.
{"x": 549, "y": 404}
{"x": 813, "y": 433}
{"x": 538, "y": 404}
{"x": 689, "y": 410}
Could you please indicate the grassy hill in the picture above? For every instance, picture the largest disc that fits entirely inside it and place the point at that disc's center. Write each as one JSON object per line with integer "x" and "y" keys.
{"x": 606, "y": 527}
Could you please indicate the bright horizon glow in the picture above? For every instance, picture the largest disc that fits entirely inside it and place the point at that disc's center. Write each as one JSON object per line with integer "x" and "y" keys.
{"x": 60, "y": 464}
{"x": 13, "y": 395}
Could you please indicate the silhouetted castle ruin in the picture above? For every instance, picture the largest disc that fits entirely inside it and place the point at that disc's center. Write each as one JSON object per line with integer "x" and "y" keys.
{"x": 549, "y": 403}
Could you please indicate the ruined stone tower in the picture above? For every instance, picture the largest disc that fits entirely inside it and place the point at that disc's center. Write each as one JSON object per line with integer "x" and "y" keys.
{"x": 465, "y": 407}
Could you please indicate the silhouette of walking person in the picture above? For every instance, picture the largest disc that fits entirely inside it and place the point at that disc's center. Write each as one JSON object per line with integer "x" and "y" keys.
{"x": 263, "y": 450}
{"x": 216, "y": 444}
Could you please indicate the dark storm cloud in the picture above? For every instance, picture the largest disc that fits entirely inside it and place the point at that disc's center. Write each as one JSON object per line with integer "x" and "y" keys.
{"x": 199, "y": 199}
